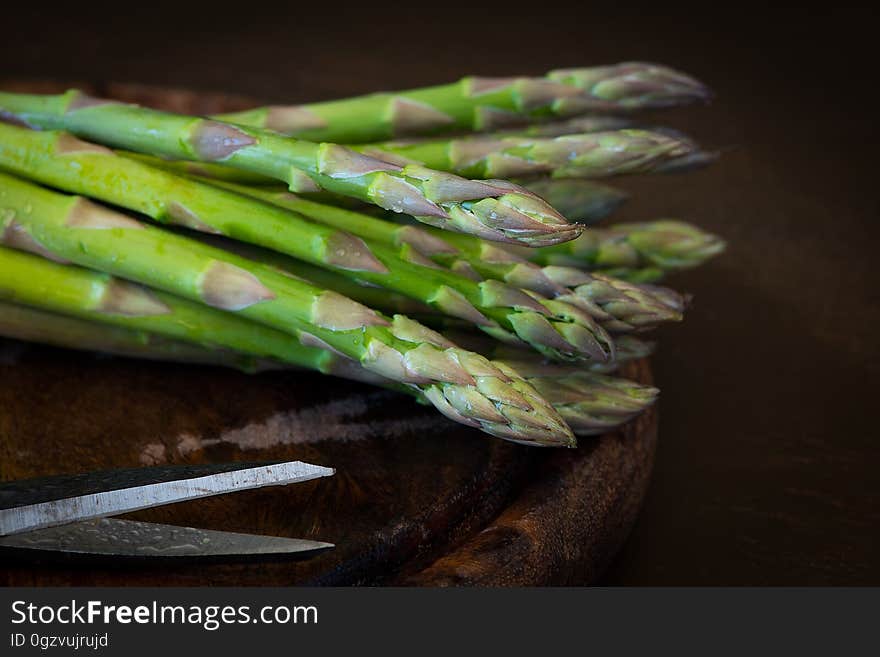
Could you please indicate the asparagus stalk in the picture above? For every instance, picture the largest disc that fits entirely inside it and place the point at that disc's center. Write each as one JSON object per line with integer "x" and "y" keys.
{"x": 583, "y": 398}
{"x": 369, "y": 295}
{"x": 692, "y": 158}
{"x": 653, "y": 247}
{"x": 433, "y": 197}
{"x": 600, "y": 290}
{"x": 477, "y": 104}
{"x": 584, "y": 201}
{"x": 637, "y": 275}
{"x": 654, "y": 307}
{"x": 581, "y": 200}
{"x": 618, "y": 306}
{"x": 579, "y": 125}
{"x": 212, "y": 170}
{"x": 696, "y": 159}
{"x": 629, "y": 348}
{"x": 157, "y": 320}
{"x": 595, "y": 155}
{"x": 462, "y": 385}
{"x": 65, "y": 162}
{"x": 33, "y": 325}
{"x": 591, "y": 403}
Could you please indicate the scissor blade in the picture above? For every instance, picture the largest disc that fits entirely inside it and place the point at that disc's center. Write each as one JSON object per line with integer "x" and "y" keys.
{"x": 131, "y": 490}
{"x": 110, "y": 537}
{"x": 45, "y": 489}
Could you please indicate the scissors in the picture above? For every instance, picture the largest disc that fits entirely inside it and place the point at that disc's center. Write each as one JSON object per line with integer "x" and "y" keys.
{"x": 71, "y": 514}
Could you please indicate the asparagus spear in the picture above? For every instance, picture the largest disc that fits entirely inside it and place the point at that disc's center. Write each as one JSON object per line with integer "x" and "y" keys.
{"x": 586, "y": 399}
{"x": 595, "y": 155}
{"x": 65, "y": 162}
{"x": 629, "y": 347}
{"x": 584, "y": 201}
{"x": 591, "y": 403}
{"x": 375, "y": 297}
{"x": 437, "y": 198}
{"x": 33, "y": 325}
{"x": 462, "y": 385}
{"x": 75, "y": 307}
{"x": 636, "y": 307}
{"x": 214, "y": 171}
{"x": 576, "y": 126}
{"x": 692, "y": 158}
{"x": 477, "y": 104}
{"x": 618, "y": 306}
{"x": 696, "y": 159}
{"x": 652, "y": 247}
{"x": 157, "y": 320}
{"x": 97, "y": 297}
{"x": 539, "y": 149}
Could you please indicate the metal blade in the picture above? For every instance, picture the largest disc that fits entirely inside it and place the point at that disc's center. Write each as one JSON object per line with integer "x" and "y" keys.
{"x": 44, "y": 489}
{"x": 63, "y": 502}
{"x": 110, "y": 537}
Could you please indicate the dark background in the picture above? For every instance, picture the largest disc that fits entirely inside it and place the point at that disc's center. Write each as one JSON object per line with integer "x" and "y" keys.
{"x": 767, "y": 470}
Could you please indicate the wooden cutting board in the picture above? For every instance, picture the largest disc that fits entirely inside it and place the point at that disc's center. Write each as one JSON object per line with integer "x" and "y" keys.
{"x": 416, "y": 499}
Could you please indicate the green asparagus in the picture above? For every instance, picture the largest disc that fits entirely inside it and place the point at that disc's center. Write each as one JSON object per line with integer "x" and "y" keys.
{"x": 659, "y": 246}
{"x": 477, "y": 104}
{"x": 591, "y": 403}
{"x": 629, "y": 348}
{"x": 696, "y": 159}
{"x": 692, "y": 156}
{"x": 576, "y": 126}
{"x": 33, "y": 325}
{"x": 329, "y": 273}
{"x": 104, "y": 299}
{"x": 588, "y": 401}
{"x": 618, "y": 306}
{"x": 433, "y": 197}
{"x": 462, "y": 385}
{"x": 584, "y": 201}
{"x": 596, "y": 155}
{"x": 215, "y": 171}
{"x": 63, "y": 161}
{"x": 638, "y": 275}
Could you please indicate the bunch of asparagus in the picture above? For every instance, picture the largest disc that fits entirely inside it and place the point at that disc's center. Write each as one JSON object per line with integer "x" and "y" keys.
{"x": 314, "y": 237}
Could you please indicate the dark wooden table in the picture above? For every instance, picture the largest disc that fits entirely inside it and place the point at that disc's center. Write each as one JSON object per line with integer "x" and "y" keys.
{"x": 766, "y": 469}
